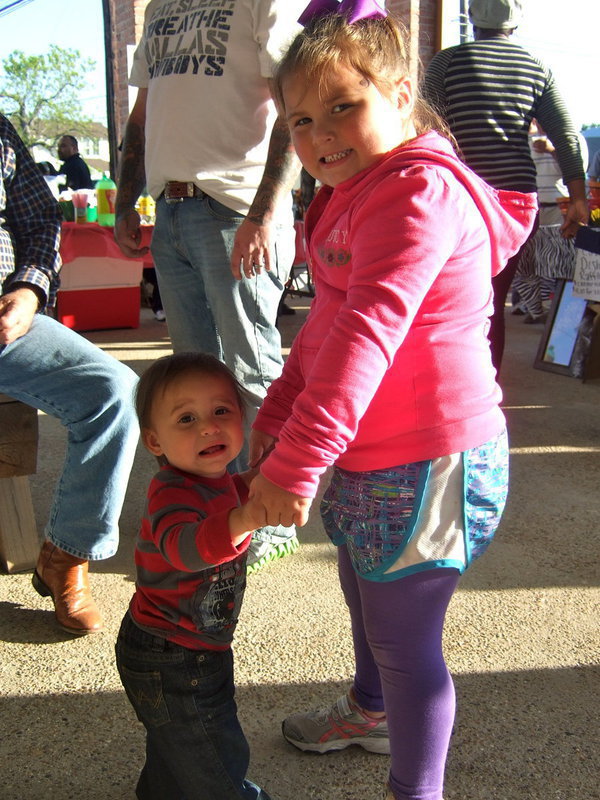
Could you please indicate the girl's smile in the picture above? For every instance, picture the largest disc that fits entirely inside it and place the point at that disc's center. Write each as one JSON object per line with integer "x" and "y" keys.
{"x": 347, "y": 124}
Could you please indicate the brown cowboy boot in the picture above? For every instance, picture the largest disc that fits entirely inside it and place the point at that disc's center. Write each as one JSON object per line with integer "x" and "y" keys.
{"x": 65, "y": 578}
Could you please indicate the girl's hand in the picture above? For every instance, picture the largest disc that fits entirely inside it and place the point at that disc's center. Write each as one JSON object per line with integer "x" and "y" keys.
{"x": 260, "y": 446}
{"x": 281, "y": 507}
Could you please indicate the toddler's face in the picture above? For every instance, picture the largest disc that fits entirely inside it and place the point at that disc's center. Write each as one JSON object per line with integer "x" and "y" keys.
{"x": 197, "y": 424}
{"x": 348, "y": 126}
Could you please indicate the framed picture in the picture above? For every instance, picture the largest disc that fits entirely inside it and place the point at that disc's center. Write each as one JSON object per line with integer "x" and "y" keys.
{"x": 558, "y": 350}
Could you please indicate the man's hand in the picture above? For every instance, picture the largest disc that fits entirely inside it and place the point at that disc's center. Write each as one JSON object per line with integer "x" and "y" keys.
{"x": 578, "y": 214}
{"x": 250, "y": 250}
{"x": 261, "y": 445}
{"x": 578, "y": 210}
{"x": 128, "y": 234}
{"x": 17, "y": 310}
{"x": 281, "y": 507}
{"x": 544, "y": 145}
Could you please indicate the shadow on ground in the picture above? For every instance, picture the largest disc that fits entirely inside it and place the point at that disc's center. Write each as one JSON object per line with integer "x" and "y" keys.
{"x": 510, "y": 743}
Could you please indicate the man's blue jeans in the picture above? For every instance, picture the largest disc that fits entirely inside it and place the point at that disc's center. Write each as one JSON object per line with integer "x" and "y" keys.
{"x": 208, "y": 310}
{"x": 59, "y": 372}
{"x": 195, "y": 746}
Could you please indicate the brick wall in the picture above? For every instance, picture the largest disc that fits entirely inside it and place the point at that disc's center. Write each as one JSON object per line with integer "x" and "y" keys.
{"x": 421, "y": 17}
{"x": 125, "y": 21}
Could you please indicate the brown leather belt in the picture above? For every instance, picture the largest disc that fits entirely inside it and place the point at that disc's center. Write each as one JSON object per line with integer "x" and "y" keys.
{"x": 177, "y": 191}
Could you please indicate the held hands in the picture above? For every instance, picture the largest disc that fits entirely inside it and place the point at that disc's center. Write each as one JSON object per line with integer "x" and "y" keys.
{"x": 250, "y": 250}
{"x": 128, "y": 234}
{"x": 17, "y": 310}
{"x": 245, "y": 519}
{"x": 280, "y": 507}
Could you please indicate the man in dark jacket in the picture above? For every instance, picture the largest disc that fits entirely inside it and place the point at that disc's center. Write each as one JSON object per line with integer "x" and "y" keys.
{"x": 74, "y": 168}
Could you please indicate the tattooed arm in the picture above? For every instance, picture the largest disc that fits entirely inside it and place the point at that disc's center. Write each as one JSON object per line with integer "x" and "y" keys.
{"x": 252, "y": 241}
{"x": 131, "y": 181}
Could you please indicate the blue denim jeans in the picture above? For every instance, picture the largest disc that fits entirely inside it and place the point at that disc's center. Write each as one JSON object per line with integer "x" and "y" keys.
{"x": 195, "y": 746}
{"x": 208, "y": 310}
{"x": 59, "y": 372}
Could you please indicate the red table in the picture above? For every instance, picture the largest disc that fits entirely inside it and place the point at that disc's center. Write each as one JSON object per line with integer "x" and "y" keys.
{"x": 100, "y": 287}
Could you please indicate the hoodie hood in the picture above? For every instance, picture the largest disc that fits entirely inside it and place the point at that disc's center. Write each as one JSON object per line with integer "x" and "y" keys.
{"x": 509, "y": 216}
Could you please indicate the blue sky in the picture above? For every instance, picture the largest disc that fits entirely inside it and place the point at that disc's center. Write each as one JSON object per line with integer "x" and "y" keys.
{"x": 70, "y": 24}
{"x": 566, "y": 41}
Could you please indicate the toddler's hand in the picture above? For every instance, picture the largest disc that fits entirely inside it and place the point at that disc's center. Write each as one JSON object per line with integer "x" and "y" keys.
{"x": 244, "y": 519}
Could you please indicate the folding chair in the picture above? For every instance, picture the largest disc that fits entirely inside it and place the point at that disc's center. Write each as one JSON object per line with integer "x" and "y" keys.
{"x": 299, "y": 283}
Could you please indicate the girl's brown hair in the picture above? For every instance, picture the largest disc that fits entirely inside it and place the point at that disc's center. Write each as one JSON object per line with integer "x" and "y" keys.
{"x": 376, "y": 48}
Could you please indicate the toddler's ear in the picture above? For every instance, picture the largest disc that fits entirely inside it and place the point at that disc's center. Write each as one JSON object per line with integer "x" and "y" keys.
{"x": 151, "y": 442}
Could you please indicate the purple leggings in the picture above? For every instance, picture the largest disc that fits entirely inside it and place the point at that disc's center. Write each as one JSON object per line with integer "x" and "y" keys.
{"x": 397, "y": 631}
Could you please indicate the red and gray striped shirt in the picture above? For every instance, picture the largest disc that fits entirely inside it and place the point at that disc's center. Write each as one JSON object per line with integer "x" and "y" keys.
{"x": 190, "y": 576}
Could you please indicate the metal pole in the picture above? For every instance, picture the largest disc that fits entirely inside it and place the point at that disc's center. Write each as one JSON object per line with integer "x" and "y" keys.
{"x": 464, "y": 21}
{"x": 110, "y": 87}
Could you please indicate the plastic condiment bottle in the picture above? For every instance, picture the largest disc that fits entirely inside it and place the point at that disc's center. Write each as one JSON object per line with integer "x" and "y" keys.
{"x": 106, "y": 193}
{"x": 146, "y": 209}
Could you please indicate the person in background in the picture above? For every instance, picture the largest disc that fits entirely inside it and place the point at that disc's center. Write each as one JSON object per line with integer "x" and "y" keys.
{"x": 149, "y": 276}
{"x": 222, "y": 174}
{"x": 472, "y": 85}
{"x": 52, "y": 368}
{"x": 76, "y": 171}
{"x": 390, "y": 381}
{"x": 594, "y": 169}
{"x": 51, "y": 176}
{"x": 174, "y": 647}
{"x": 531, "y": 287}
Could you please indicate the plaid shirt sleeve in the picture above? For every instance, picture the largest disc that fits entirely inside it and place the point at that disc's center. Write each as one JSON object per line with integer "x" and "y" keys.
{"x": 30, "y": 220}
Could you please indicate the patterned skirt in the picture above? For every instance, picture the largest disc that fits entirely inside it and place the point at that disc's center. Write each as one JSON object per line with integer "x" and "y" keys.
{"x": 424, "y": 515}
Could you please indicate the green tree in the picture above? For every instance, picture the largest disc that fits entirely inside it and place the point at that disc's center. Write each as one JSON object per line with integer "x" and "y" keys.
{"x": 39, "y": 94}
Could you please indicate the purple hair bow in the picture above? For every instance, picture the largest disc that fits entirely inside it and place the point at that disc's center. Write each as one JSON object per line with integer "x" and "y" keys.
{"x": 353, "y": 9}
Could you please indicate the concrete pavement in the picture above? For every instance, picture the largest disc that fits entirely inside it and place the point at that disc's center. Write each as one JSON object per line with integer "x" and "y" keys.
{"x": 521, "y": 639}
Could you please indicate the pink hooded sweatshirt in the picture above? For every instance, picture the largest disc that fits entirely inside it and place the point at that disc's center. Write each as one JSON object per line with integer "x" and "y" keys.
{"x": 393, "y": 362}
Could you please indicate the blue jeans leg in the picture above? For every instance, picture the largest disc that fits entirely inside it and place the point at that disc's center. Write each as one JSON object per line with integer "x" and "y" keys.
{"x": 59, "y": 372}
{"x": 195, "y": 746}
{"x": 208, "y": 310}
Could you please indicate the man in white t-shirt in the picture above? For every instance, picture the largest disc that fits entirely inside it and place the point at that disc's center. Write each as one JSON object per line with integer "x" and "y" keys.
{"x": 204, "y": 138}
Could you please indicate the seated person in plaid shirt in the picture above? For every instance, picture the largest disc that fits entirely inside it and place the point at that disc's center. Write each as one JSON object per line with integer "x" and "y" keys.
{"x": 51, "y": 368}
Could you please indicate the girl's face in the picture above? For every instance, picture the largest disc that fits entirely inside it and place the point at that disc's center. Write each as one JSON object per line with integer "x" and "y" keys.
{"x": 348, "y": 125}
{"x": 197, "y": 424}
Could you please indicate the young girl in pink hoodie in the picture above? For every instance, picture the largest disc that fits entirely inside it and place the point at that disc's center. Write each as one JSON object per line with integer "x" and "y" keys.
{"x": 390, "y": 380}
